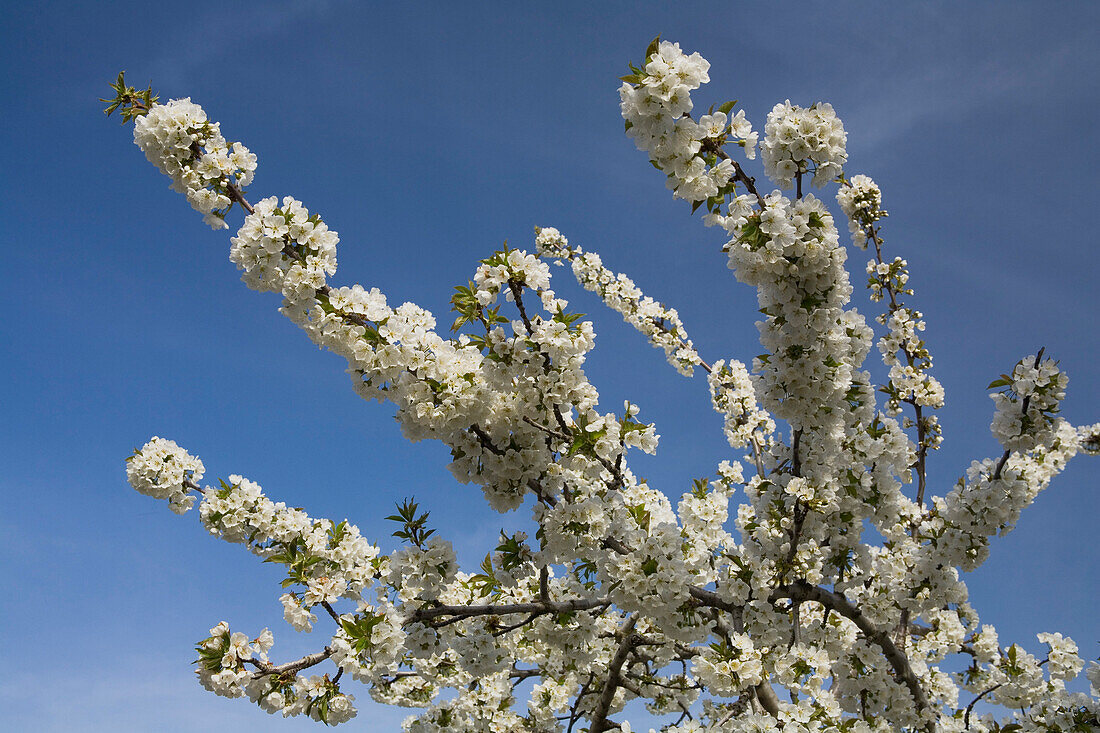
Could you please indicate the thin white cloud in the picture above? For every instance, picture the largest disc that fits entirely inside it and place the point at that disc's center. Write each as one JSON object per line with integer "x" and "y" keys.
{"x": 945, "y": 89}
{"x": 218, "y": 34}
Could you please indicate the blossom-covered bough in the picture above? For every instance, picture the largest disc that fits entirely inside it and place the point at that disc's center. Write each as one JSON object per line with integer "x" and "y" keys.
{"x": 796, "y": 621}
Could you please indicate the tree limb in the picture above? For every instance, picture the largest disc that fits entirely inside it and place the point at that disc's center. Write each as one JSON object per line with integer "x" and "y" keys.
{"x": 607, "y": 695}
{"x": 800, "y": 591}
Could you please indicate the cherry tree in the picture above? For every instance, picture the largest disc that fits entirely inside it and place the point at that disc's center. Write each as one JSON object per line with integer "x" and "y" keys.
{"x": 831, "y": 599}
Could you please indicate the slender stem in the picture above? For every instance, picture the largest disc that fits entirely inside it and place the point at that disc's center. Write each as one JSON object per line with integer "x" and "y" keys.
{"x": 1023, "y": 411}
{"x": 922, "y": 426}
{"x": 738, "y": 173}
{"x": 310, "y": 660}
{"x": 575, "y": 710}
{"x": 920, "y": 463}
{"x": 970, "y": 707}
{"x": 335, "y": 616}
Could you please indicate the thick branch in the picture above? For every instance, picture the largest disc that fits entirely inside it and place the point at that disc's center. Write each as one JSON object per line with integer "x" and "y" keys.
{"x": 504, "y": 609}
{"x": 710, "y": 598}
{"x": 765, "y": 695}
{"x": 607, "y": 695}
{"x": 802, "y": 591}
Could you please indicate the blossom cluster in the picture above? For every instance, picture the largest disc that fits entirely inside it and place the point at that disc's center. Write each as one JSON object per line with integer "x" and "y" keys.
{"x": 655, "y": 103}
{"x": 1014, "y": 678}
{"x": 861, "y": 201}
{"x": 659, "y": 323}
{"x": 730, "y": 667}
{"x": 1025, "y": 410}
{"x": 990, "y": 499}
{"x": 903, "y": 350}
{"x": 184, "y": 145}
{"x": 163, "y": 470}
{"x": 283, "y": 248}
{"x": 331, "y": 560}
{"x": 905, "y": 353}
{"x": 798, "y": 140}
{"x": 733, "y": 394}
{"x": 789, "y": 251}
{"x": 223, "y": 657}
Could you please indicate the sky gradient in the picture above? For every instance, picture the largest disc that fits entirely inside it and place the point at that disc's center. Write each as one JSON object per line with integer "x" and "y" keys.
{"x": 427, "y": 134}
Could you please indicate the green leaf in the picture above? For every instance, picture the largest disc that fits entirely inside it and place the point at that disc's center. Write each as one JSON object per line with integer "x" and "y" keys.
{"x": 725, "y": 107}
{"x": 640, "y": 515}
{"x": 652, "y": 47}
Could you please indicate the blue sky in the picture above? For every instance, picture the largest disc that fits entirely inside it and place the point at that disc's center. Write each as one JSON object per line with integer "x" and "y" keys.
{"x": 427, "y": 134}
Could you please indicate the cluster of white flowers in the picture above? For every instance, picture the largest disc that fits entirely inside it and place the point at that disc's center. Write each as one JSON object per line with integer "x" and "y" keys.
{"x": 626, "y": 596}
{"x": 370, "y": 641}
{"x": 224, "y": 663}
{"x": 703, "y": 513}
{"x": 339, "y": 561}
{"x": 660, "y": 324}
{"x": 734, "y": 396}
{"x": 222, "y": 658}
{"x": 184, "y": 145}
{"x": 1063, "y": 663}
{"x": 903, "y": 351}
{"x": 516, "y": 266}
{"x": 295, "y": 614}
{"x": 909, "y": 379}
{"x": 656, "y": 101}
{"x": 282, "y": 248}
{"x": 861, "y": 201}
{"x": 1014, "y": 678}
{"x": 798, "y": 140}
{"x": 163, "y": 470}
{"x": 991, "y": 498}
{"x": 789, "y": 251}
{"x": 1025, "y": 409}
{"x": 726, "y": 669}
{"x": 422, "y": 573}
